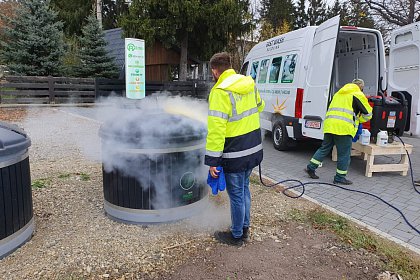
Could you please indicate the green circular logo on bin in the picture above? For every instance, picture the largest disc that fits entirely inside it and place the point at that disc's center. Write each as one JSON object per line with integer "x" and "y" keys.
{"x": 187, "y": 181}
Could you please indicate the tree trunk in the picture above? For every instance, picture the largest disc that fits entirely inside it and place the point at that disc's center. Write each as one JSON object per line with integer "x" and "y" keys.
{"x": 183, "y": 62}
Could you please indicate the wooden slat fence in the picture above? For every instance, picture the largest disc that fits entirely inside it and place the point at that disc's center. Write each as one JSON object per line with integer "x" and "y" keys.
{"x": 58, "y": 90}
{"x": 194, "y": 89}
{"x": 46, "y": 90}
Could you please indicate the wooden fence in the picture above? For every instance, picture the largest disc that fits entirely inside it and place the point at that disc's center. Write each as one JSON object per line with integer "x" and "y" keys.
{"x": 58, "y": 90}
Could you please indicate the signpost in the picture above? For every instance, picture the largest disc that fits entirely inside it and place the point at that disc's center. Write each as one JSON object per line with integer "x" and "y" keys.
{"x": 135, "y": 83}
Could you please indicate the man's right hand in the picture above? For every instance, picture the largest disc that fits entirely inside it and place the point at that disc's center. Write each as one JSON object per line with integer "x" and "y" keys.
{"x": 214, "y": 172}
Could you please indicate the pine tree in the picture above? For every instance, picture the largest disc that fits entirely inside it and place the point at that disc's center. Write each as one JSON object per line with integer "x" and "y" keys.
{"x": 33, "y": 45}
{"x": 300, "y": 15}
{"x": 317, "y": 12}
{"x": 276, "y": 12}
{"x": 73, "y": 14}
{"x": 359, "y": 15}
{"x": 94, "y": 59}
{"x": 340, "y": 9}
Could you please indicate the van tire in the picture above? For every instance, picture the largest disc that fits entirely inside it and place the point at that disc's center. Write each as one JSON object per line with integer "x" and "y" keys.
{"x": 280, "y": 137}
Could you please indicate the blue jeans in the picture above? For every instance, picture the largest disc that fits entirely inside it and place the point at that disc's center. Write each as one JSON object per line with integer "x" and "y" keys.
{"x": 237, "y": 186}
{"x": 343, "y": 144}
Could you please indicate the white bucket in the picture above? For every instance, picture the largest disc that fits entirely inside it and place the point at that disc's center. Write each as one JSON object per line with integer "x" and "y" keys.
{"x": 382, "y": 138}
{"x": 365, "y": 137}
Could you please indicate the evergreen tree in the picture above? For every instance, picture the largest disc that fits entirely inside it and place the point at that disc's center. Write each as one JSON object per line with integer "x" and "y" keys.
{"x": 276, "y": 12}
{"x": 112, "y": 11}
{"x": 359, "y": 15}
{"x": 73, "y": 14}
{"x": 340, "y": 9}
{"x": 198, "y": 27}
{"x": 94, "y": 59}
{"x": 33, "y": 45}
{"x": 300, "y": 15}
{"x": 268, "y": 31}
{"x": 317, "y": 12}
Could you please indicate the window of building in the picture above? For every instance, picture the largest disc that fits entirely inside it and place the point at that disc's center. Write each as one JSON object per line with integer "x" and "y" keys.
{"x": 275, "y": 70}
{"x": 263, "y": 71}
{"x": 289, "y": 68}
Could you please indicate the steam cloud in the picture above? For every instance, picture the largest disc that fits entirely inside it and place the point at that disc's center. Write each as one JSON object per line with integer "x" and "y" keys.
{"x": 121, "y": 117}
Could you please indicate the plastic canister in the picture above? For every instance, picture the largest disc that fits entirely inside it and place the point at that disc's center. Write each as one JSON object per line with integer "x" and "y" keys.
{"x": 365, "y": 137}
{"x": 382, "y": 138}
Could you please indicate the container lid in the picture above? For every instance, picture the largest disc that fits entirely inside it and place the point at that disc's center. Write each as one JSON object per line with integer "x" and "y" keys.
{"x": 156, "y": 129}
{"x": 13, "y": 140}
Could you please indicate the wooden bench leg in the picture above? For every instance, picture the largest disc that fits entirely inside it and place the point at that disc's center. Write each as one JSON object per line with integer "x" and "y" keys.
{"x": 369, "y": 163}
{"x": 404, "y": 160}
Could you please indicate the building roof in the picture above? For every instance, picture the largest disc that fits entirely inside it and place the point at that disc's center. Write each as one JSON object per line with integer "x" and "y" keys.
{"x": 115, "y": 45}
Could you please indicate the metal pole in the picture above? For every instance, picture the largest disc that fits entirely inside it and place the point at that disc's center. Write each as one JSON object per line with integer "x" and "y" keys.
{"x": 99, "y": 12}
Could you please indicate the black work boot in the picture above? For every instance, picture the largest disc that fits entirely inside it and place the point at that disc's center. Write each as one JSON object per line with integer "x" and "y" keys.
{"x": 342, "y": 181}
{"x": 311, "y": 173}
{"x": 245, "y": 233}
{"x": 226, "y": 237}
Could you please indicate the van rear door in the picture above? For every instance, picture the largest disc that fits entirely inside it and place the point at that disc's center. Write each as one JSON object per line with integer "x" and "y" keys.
{"x": 318, "y": 78}
{"x": 404, "y": 71}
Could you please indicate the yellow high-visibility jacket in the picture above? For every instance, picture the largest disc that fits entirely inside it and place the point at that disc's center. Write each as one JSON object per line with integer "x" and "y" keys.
{"x": 348, "y": 108}
{"x": 234, "y": 137}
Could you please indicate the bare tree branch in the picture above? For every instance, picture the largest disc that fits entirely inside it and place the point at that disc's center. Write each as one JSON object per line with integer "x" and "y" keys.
{"x": 401, "y": 12}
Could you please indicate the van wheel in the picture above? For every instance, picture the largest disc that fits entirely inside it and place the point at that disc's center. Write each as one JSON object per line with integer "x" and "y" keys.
{"x": 280, "y": 138}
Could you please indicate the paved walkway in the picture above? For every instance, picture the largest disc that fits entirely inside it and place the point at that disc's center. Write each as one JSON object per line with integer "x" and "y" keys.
{"x": 391, "y": 187}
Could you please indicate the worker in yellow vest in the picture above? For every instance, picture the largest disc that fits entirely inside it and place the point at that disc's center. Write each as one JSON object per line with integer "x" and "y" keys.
{"x": 348, "y": 108}
{"x": 234, "y": 141}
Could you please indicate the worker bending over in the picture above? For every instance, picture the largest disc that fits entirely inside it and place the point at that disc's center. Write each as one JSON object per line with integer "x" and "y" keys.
{"x": 348, "y": 108}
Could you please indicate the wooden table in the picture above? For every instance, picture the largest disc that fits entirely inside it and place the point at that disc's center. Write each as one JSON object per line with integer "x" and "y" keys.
{"x": 370, "y": 151}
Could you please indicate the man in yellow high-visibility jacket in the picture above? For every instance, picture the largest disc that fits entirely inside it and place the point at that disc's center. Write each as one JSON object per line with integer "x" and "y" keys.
{"x": 234, "y": 140}
{"x": 348, "y": 108}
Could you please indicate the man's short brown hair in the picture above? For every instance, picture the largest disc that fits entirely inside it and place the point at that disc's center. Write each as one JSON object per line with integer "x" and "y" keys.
{"x": 221, "y": 62}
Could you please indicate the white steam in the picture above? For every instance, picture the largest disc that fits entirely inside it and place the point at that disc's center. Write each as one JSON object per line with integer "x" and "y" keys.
{"x": 77, "y": 129}
{"x": 159, "y": 141}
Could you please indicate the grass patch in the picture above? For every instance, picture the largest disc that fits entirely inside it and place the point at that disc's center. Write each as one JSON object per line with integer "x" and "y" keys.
{"x": 64, "y": 176}
{"x": 254, "y": 179}
{"x": 394, "y": 257}
{"x": 40, "y": 183}
{"x": 84, "y": 176}
{"x": 7, "y": 96}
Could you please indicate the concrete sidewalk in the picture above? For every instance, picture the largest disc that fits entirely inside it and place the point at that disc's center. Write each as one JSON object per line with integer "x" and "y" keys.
{"x": 391, "y": 187}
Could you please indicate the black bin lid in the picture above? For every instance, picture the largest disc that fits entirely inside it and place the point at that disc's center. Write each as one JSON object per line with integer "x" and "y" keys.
{"x": 152, "y": 129}
{"x": 13, "y": 140}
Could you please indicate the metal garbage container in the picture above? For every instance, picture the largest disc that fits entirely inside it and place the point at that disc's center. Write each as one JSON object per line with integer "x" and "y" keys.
{"x": 16, "y": 212}
{"x": 153, "y": 167}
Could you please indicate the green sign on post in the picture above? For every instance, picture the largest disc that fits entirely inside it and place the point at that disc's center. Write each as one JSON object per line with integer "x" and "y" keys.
{"x": 135, "y": 75}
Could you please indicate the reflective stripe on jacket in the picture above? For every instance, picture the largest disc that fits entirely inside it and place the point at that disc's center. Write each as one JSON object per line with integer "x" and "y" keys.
{"x": 234, "y": 137}
{"x": 340, "y": 118}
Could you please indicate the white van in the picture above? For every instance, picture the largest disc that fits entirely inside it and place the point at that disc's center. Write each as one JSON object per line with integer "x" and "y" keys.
{"x": 404, "y": 72}
{"x": 297, "y": 74}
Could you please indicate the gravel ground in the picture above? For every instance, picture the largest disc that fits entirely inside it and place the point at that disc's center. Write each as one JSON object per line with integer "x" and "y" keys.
{"x": 74, "y": 239}
{"x": 73, "y": 236}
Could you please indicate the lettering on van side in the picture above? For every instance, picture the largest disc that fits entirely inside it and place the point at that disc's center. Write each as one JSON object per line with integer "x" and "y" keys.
{"x": 276, "y": 91}
{"x": 274, "y": 44}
